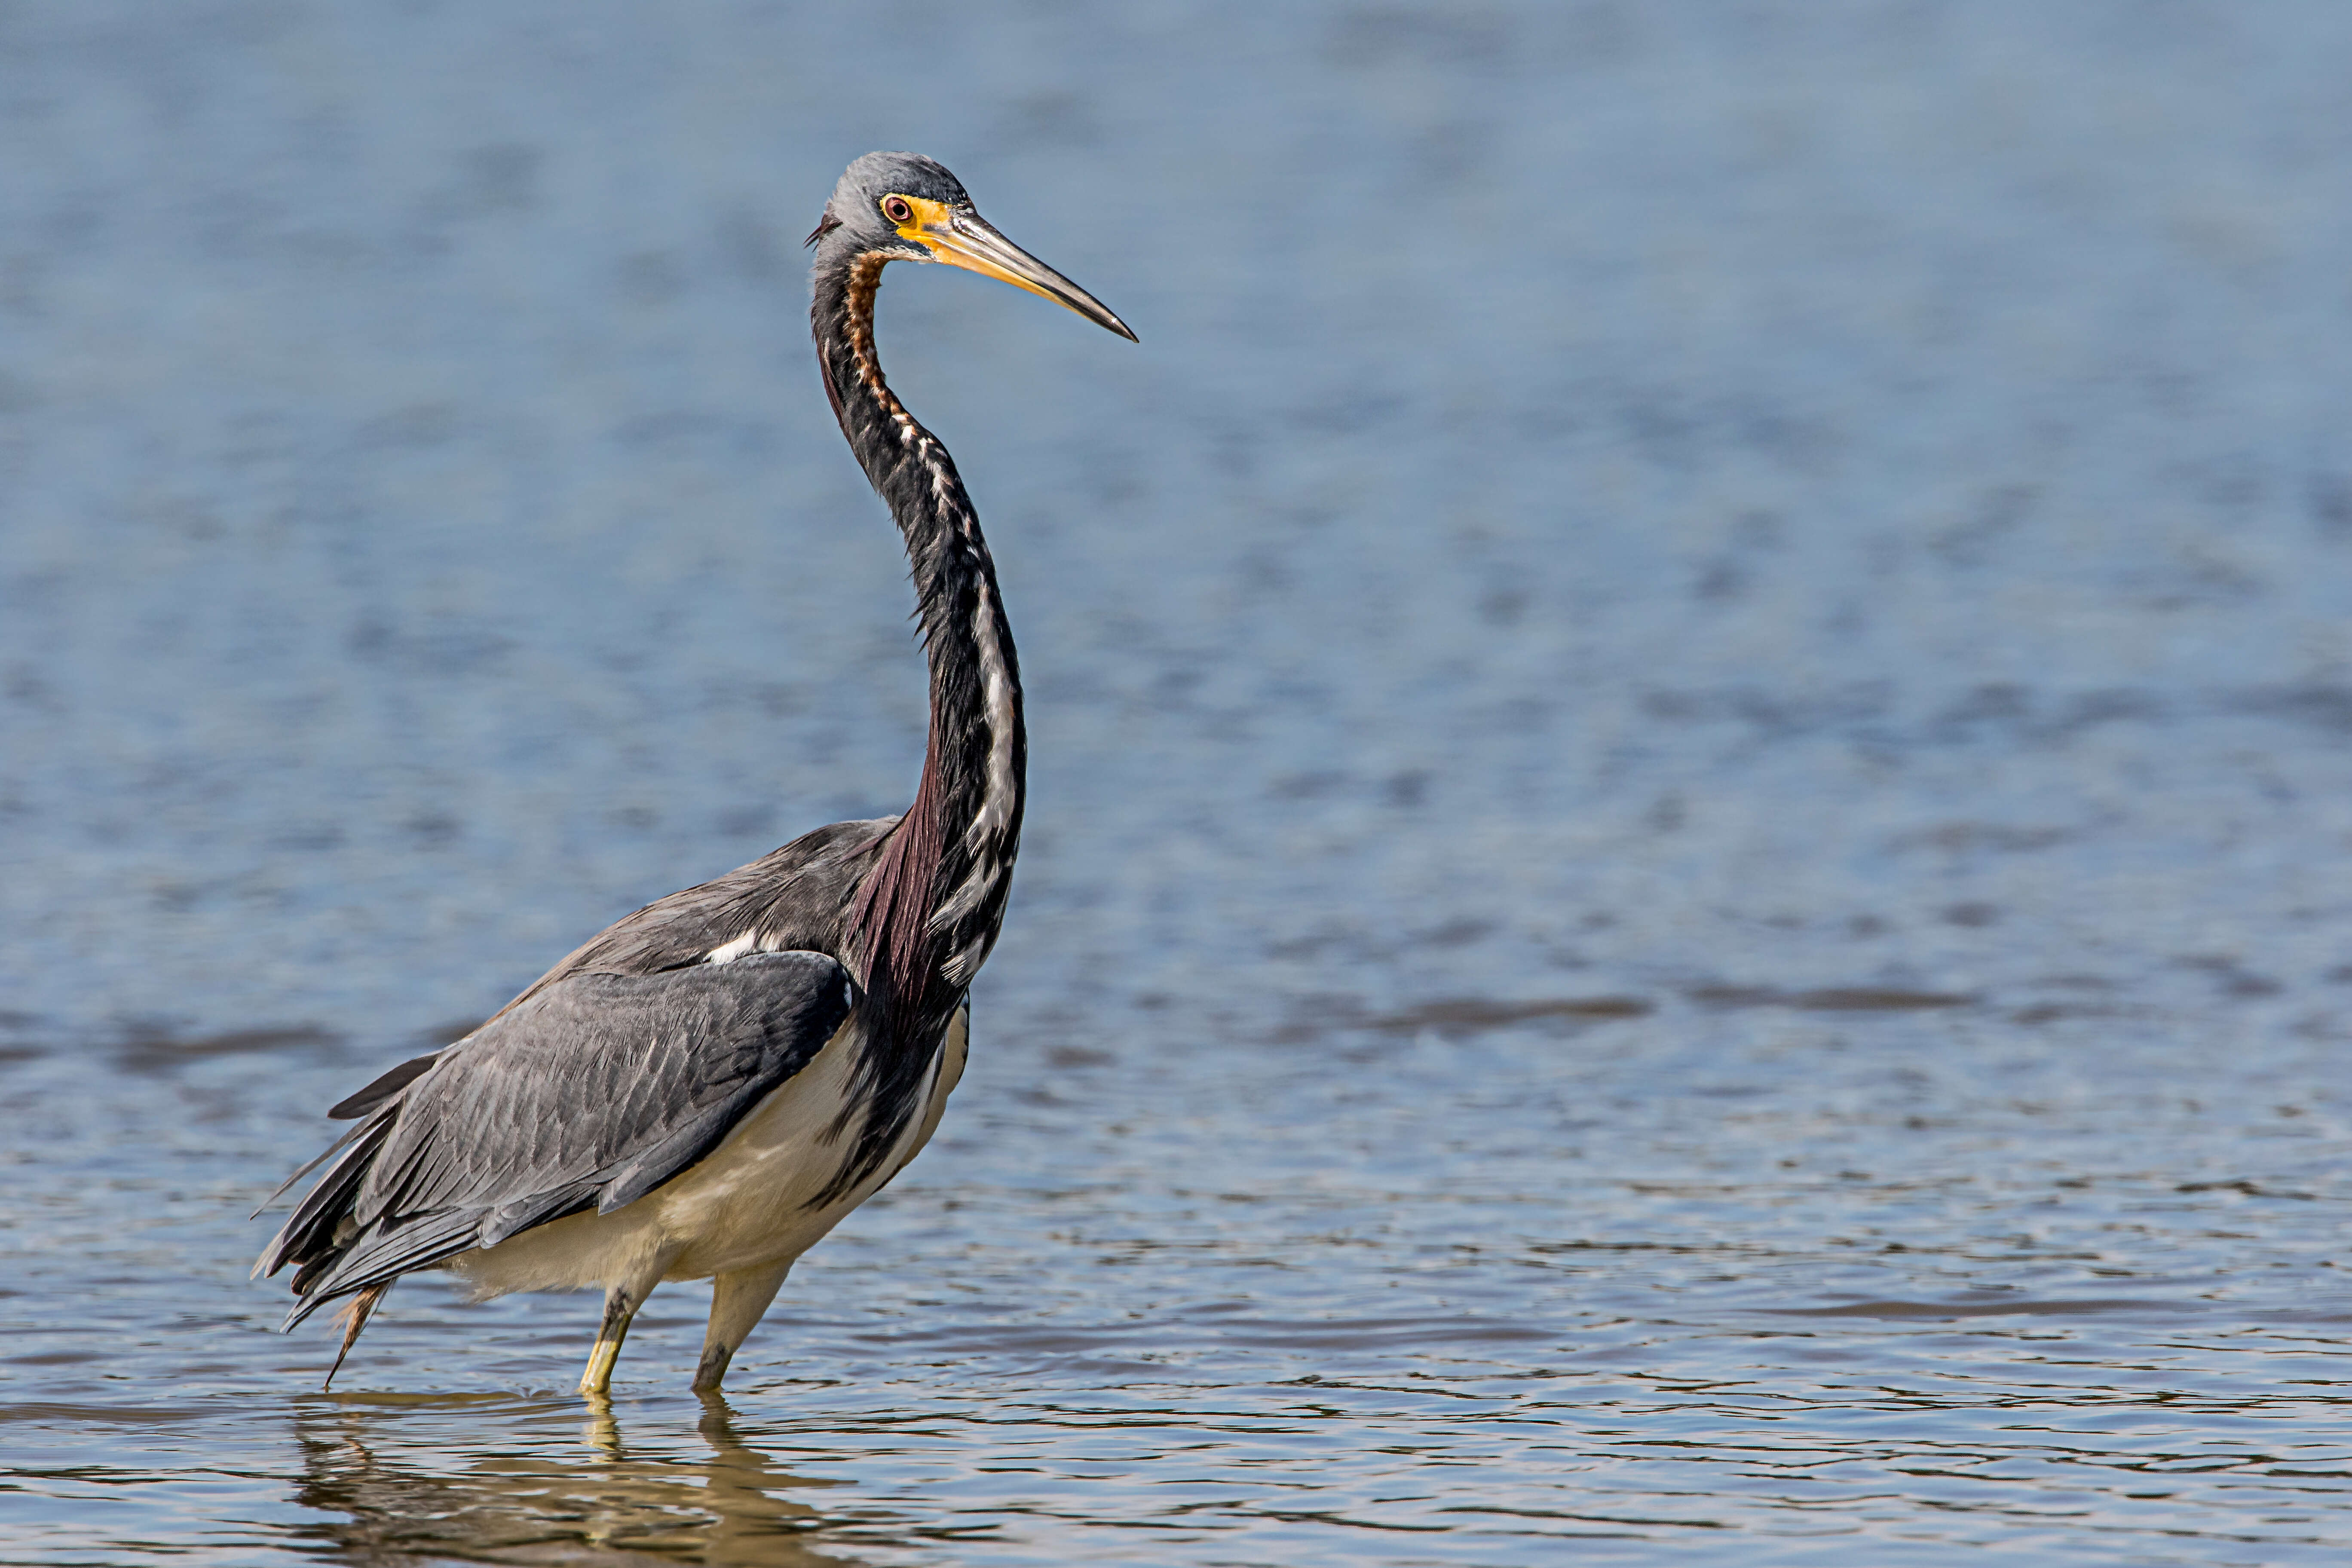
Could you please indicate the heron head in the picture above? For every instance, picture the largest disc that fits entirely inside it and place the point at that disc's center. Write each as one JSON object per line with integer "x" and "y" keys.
{"x": 902, "y": 206}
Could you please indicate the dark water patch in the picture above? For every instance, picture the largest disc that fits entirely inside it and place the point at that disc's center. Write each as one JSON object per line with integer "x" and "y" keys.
{"x": 1830, "y": 999}
{"x": 2056, "y": 1308}
{"x": 152, "y": 1048}
{"x": 2042, "y": 1012}
{"x": 1775, "y": 714}
{"x": 432, "y": 1401}
{"x": 2324, "y": 708}
{"x": 2247, "y": 1188}
{"x": 1013, "y": 1339}
{"x": 19, "y": 1049}
{"x": 1337, "y": 1334}
{"x": 1685, "y": 1248}
{"x": 1969, "y": 838}
{"x": 1457, "y": 1017}
{"x": 110, "y": 1415}
{"x": 2229, "y": 974}
{"x": 2002, "y": 713}
{"x": 1373, "y": 1334}
{"x": 1474, "y": 1014}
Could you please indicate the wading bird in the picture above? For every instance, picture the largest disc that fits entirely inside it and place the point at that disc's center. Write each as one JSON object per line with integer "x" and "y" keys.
{"x": 707, "y": 1087}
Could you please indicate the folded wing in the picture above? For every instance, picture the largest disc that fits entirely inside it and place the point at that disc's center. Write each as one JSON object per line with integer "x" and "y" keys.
{"x": 588, "y": 1094}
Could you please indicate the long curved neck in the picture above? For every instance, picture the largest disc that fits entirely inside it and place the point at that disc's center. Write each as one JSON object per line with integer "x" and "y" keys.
{"x": 926, "y": 917}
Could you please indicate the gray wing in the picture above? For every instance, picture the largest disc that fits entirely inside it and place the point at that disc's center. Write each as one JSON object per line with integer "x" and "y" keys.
{"x": 589, "y": 1093}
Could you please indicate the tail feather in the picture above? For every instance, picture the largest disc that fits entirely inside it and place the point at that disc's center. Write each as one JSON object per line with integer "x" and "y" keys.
{"x": 380, "y": 1253}
{"x": 355, "y": 1318}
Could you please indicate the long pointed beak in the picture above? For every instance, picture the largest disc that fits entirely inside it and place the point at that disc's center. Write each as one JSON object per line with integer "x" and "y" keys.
{"x": 966, "y": 240}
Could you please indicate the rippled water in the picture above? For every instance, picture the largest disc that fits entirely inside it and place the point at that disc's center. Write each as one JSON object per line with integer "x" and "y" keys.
{"x": 1692, "y": 729}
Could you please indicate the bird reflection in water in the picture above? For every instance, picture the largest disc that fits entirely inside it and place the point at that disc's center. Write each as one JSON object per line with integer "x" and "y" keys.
{"x": 539, "y": 1505}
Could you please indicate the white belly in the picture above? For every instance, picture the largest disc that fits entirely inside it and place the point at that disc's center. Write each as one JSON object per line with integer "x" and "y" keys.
{"x": 747, "y": 1204}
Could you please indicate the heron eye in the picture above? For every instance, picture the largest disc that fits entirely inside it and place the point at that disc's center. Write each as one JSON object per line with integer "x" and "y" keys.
{"x": 897, "y": 210}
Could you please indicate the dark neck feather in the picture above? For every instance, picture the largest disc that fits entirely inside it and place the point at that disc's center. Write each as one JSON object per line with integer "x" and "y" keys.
{"x": 927, "y": 915}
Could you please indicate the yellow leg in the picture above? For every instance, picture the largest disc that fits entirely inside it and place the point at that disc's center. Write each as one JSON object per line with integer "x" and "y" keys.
{"x": 619, "y": 1312}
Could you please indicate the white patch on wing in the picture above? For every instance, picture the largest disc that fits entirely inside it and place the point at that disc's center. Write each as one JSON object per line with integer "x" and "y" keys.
{"x": 728, "y": 953}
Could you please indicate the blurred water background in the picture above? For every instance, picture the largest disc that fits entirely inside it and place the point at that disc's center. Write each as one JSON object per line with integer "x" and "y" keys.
{"x": 1692, "y": 715}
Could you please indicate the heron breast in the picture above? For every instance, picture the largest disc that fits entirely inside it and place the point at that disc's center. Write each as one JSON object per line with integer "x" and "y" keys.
{"x": 753, "y": 1199}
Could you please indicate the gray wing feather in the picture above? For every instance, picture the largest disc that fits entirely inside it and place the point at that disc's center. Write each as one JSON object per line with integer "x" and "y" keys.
{"x": 591, "y": 1092}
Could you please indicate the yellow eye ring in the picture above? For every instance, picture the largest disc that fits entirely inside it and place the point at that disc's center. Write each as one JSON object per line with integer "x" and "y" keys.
{"x": 897, "y": 210}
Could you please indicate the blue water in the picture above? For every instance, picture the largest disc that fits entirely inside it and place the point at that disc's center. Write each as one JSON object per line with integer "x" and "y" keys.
{"x": 1692, "y": 731}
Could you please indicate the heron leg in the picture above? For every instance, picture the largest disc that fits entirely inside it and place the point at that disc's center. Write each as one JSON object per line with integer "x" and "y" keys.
{"x": 737, "y": 1302}
{"x": 620, "y": 1311}
{"x": 622, "y": 1299}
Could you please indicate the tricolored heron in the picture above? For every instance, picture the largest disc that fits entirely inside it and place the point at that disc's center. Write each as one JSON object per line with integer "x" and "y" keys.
{"x": 706, "y": 1087}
